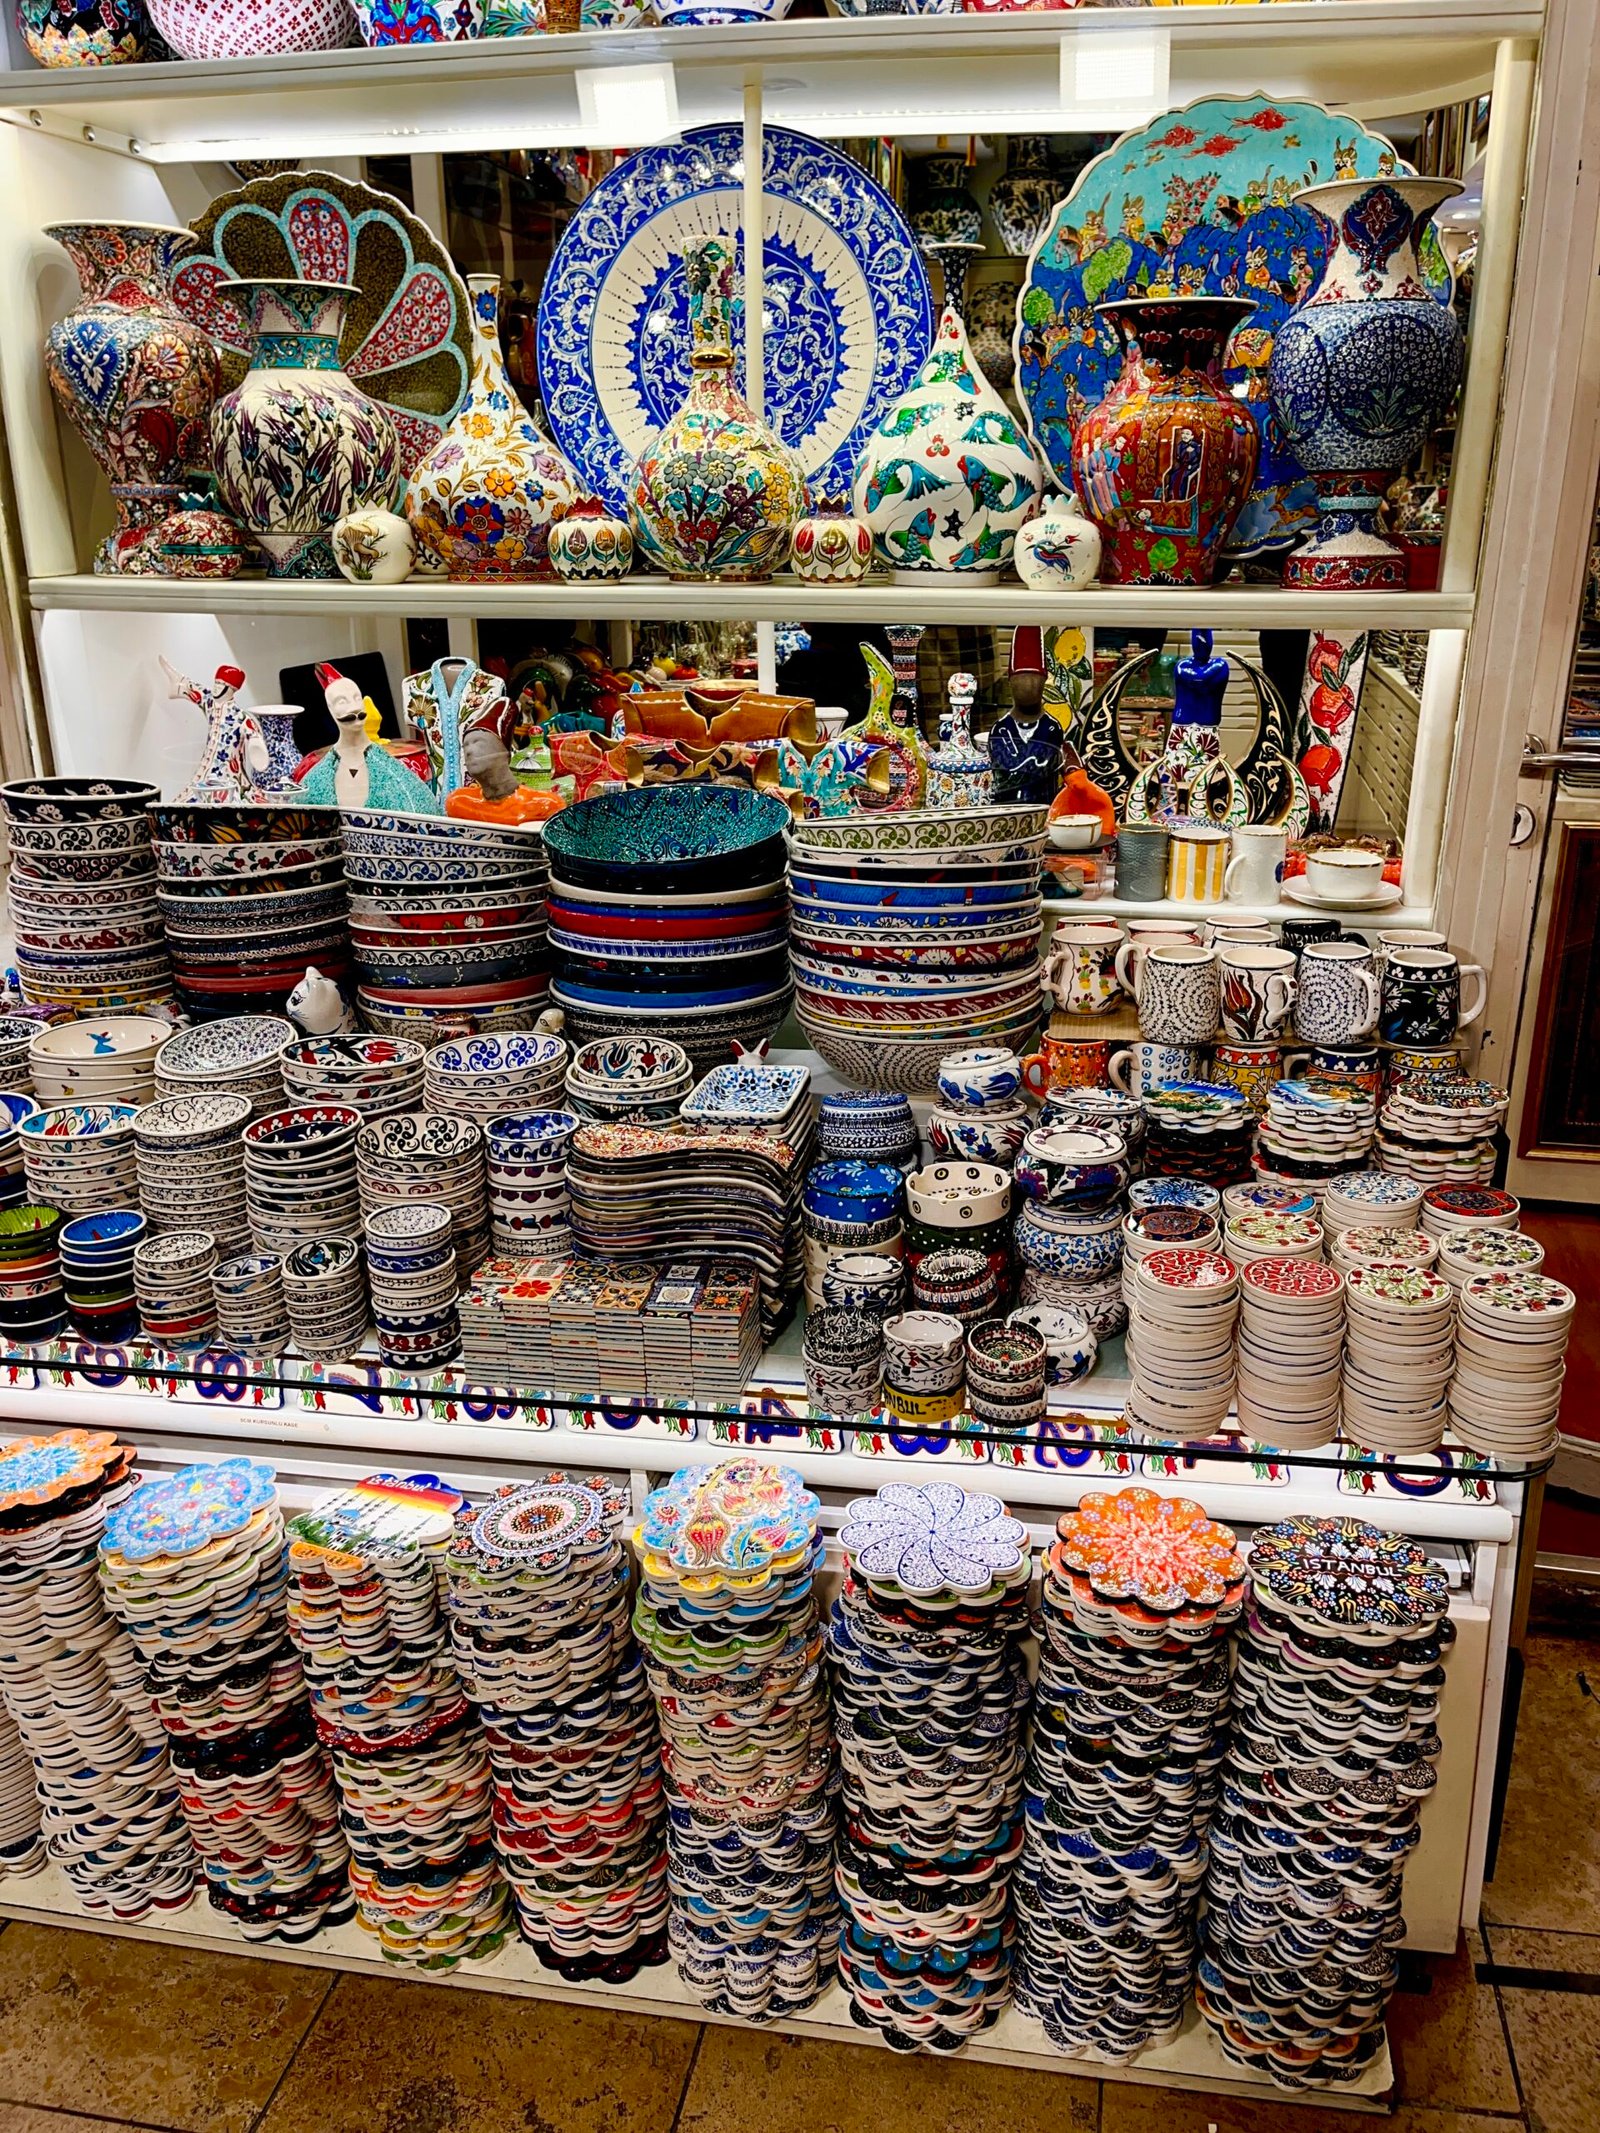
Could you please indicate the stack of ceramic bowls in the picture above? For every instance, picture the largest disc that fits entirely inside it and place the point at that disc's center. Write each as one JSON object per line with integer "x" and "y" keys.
{"x": 172, "y": 1285}
{"x": 447, "y": 923}
{"x": 1182, "y": 1309}
{"x": 1370, "y": 1199}
{"x": 80, "y": 1157}
{"x": 17, "y": 1033}
{"x": 252, "y": 1317}
{"x": 1442, "y": 1133}
{"x": 1070, "y": 1347}
{"x": 82, "y": 892}
{"x": 240, "y": 1056}
{"x": 632, "y": 1080}
{"x": 33, "y": 1306}
{"x": 325, "y": 1294}
{"x": 497, "y": 1075}
{"x": 980, "y": 1115}
{"x": 1007, "y": 1369}
{"x": 868, "y": 1126}
{"x": 529, "y": 1205}
{"x": 190, "y": 1152}
{"x": 97, "y": 1273}
{"x": 1452, "y": 1210}
{"x": 1398, "y": 1358}
{"x": 960, "y": 1283}
{"x": 1098, "y": 1111}
{"x": 1291, "y": 1338}
{"x": 1349, "y": 1248}
{"x": 429, "y": 1157}
{"x": 1271, "y": 1236}
{"x": 1486, "y": 1251}
{"x": 109, "y": 1059}
{"x": 1200, "y": 1130}
{"x": 849, "y": 1205}
{"x": 376, "y": 1076}
{"x": 14, "y": 1107}
{"x": 924, "y": 1367}
{"x": 962, "y": 1204}
{"x": 411, "y": 1275}
{"x": 916, "y": 936}
{"x": 930, "y": 1705}
{"x": 842, "y": 1352}
{"x": 252, "y": 896}
{"x": 873, "y": 1282}
{"x": 668, "y": 915}
{"x": 775, "y": 1100}
{"x": 1511, "y": 1345}
{"x": 300, "y": 1175}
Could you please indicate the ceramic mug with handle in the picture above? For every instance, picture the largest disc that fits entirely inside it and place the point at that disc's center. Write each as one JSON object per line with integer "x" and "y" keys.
{"x": 1063, "y": 1063}
{"x": 1258, "y": 991}
{"x": 1422, "y": 1003}
{"x": 1081, "y": 968}
{"x": 1145, "y": 934}
{"x": 1140, "y": 1067}
{"x": 1197, "y": 859}
{"x": 1256, "y": 866}
{"x": 1339, "y": 994}
{"x": 1178, "y": 990}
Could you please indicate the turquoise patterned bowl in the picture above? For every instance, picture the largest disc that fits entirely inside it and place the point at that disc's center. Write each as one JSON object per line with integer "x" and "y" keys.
{"x": 668, "y": 838}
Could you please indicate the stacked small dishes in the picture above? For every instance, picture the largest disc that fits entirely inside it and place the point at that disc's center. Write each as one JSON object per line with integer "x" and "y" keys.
{"x": 850, "y": 1205}
{"x": 73, "y": 1686}
{"x": 21, "y": 1843}
{"x": 1452, "y": 1210}
{"x": 1175, "y": 1192}
{"x": 109, "y": 1059}
{"x": 239, "y": 1056}
{"x": 300, "y": 1175}
{"x": 172, "y": 1283}
{"x": 759, "y": 1098}
{"x": 14, "y": 1108}
{"x": 1071, "y": 1171}
{"x": 1511, "y": 1345}
{"x": 1349, "y": 1248}
{"x": 325, "y": 1294}
{"x": 915, "y": 937}
{"x": 252, "y": 1317}
{"x": 33, "y": 1306}
{"x": 1098, "y": 1111}
{"x": 411, "y": 1276}
{"x": 580, "y": 1822}
{"x": 429, "y": 1157}
{"x": 447, "y": 923}
{"x": 190, "y": 1153}
{"x": 980, "y": 1114}
{"x": 1072, "y": 1260}
{"x": 930, "y": 1706}
{"x": 727, "y": 1616}
{"x": 1129, "y": 1717}
{"x": 97, "y": 1273}
{"x": 1271, "y": 1236}
{"x": 1487, "y": 1251}
{"x": 1007, "y": 1369}
{"x": 868, "y": 1126}
{"x": 842, "y": 1355}
{"x": 1335, "y": 1703}
{"x": 252, "y": 895}
{"x": 1199, "y": 1130}
{"x": 963, "y": 1204}
{"x": 668, "y": 915}
{"x": 1265, "y": 1198}
{"x": 17, "y": 1033}
{"x": 1399, "y": 1355}
{"x": 1165, "y": 1229}
{"x": 1442, "y": 1133}
{"x": 498, "y": 1075}
{"x": 1182, "y": 1309}
{"x": 365, "y": 1570}
{"x": 1291, "y": 1338}
{"x": 924, "y": 1367}
{"x": 529, "y": 1204}
{"x": 1312, "y": 1133}
{"x": 865, "y": 1281}
{"x": 1070, "y": 1348}
{"x": 1370, "y": 1199}
{"x": 80, "y": 1157}
{"x": 960, "y": 1283}
{"x": 227, "y": 1687}
{"x": 376, "y": 1076}
{"x": 82, "y": 892}
{"x": 636, "y": 1081}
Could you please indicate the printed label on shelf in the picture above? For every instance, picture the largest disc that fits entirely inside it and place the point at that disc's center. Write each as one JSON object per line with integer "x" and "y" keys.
{"x": 1074, "y": 1444}
{"x": 1452, "y": 1470}
{"x": 767, "y": 1419}
{"x": 640, "y": 1416}
{"x": 1266, "y": 1468}
{"x": 85, "y": 1365}
{"x": 218, "y": 1379}
{"x": 957, "y": 1447}
{"x": 358, "y": 1388}
{"x": 452, "y": 1396}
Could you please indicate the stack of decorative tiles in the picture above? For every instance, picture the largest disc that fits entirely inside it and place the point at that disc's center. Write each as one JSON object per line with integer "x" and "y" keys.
{"x": 728, "y": 1618}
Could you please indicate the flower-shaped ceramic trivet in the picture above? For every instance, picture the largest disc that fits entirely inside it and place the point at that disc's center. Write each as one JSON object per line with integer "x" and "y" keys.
{"x": 188, "y": 1510}
{"x": 740, "y": 1523}
{"x": 38, "y": 1470}
{"x": 936, "y": 1538}
{"x": 539, "y": 1526}
{"x": 1348, "y": 1572}
{"x": 1160, "y": 1550}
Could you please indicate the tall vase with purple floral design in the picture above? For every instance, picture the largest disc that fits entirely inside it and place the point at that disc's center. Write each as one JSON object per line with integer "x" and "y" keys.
{"x": 298, "y": 445}
{"x": 1362, "y": 370}
{"x": 135, "y": 378}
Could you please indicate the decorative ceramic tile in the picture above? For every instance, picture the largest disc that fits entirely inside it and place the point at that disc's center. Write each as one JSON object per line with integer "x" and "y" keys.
{"x": 957, "y": 1447}
{"x": 1452, "y": 1470}
{"x": 218, "y": 1379}
{"x": 1346, "y": 1571}
{"x": 367, "y": 1390}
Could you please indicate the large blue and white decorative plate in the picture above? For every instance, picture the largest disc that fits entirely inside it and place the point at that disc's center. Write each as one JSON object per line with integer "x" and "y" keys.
{"x": 1198, "y": 202}
{"x": 847, "y": 311}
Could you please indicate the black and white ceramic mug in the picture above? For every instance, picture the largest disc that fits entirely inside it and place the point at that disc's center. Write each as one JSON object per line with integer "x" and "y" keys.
{"x": 1339, "y": 994}
{"x": 1422, "y": 1002}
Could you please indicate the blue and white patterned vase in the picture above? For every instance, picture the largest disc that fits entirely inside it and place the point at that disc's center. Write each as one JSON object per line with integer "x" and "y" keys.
{"x": 298, "y": 445}
{"x": 1361, "y": 372}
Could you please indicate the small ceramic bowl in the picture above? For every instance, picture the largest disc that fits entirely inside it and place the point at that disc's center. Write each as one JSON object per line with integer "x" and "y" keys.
{"x": 1074, "y": 833}
{"x": 1005, "y": 1359}
{"x": 1068, "y": 1168}
{"x": 1071, "y": 1350}
{"x": 958, "y": 1195}
{"x": 984, "y": 1075}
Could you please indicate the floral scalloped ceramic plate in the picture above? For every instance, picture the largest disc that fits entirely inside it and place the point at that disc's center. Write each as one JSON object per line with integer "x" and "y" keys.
{"x": 186, "y": 1511}
{"x": 1162, "y": 1551}
{"x": 739, "y": 1524}
{"x": 937, "y": 1538}
{"x": 538, "y": 1526}
{"x": 1348, "y": 1572}
{"x": 39, "y": 1470}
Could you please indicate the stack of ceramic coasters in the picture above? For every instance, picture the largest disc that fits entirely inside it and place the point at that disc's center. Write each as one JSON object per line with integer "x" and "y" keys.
{"x": 1310, "y": 1132}
{"x": 1452, "y": 1210}
{"x": 727, "y": 1615}
{"x": 1266, "y": 1197}
{"x": 1199, "y": 1130}
{"x": 1291, "y": 1343}
{"x": 1129, "y": 1717}
{"x": 1182, "y": 1307}
{"x": 367, "y": 1615}
{"x": 930, "y": 1701}
{"x": 21, "y": 1843}
{"x": 1266, "y": 1234}
{"x": 539, "y": 1624}
{"x": 1511, "y": 1347}
{"x": 1336, "y": 1697}
{"x": 1465, "y": 1253}
{"x": 1371, "y": 1199}
{"x": 1349, "y": 1248}
{"x": 71, "y": 1684}
{"x": 1442, "y": 1132}
{"x": 194, "y": 1565}
{"x": 1398, "y": 1357}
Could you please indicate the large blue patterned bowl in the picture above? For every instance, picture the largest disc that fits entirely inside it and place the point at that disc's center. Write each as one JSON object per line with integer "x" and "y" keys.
{"x": 669, "y": 838}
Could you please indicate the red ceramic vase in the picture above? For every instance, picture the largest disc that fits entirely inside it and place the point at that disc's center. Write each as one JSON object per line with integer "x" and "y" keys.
{"x": 1165, "y": 461}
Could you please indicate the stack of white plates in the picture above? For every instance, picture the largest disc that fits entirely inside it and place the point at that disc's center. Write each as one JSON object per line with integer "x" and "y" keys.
{"x": 373, "y": 1075}
{"x": 501, "y": 1074}
{"x": 79, "y": 1157}
{"x": 106, "y": 1059}
{"x": 238, "y": 1056}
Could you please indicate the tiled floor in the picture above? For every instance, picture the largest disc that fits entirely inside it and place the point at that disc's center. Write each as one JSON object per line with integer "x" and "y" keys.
{"x": 104, "y": 2036}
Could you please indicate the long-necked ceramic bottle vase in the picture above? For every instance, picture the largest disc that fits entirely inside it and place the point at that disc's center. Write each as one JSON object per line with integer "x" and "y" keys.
{"x": 134, "y": 377}
{"x": 298, "y": 445}
{"x": 1362, "y": 370}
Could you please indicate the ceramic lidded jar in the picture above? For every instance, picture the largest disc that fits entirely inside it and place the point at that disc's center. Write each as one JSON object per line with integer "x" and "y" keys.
{"x": 486, "y": 496}
{"x": 1362, "y": 370}
{"x": 716, "y": 494}
{"x": 831, "y": 547}
{"x": 1165, "y": 461}
{"x": 590, "y": 544}
{"x": 1060, "y": 548}
{"x": 134, "y": 377}
{"x": 84, "y": 33}
{"x": 298, "y": 445}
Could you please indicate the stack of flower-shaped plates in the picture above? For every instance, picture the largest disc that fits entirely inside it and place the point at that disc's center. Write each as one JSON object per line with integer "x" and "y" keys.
{"x": 1442, "y": 1132}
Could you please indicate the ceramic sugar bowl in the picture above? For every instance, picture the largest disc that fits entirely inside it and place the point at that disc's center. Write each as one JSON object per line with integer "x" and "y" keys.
{"x": 1060, "y": 549}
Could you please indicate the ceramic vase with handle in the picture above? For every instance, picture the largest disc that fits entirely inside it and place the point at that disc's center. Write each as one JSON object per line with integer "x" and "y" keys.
{"x": 134, "y": 377}
{"x": 1165, "y": 461}
{"x": 298, "y": 445}
{"x": 485, "y": 498}
{"x": 1362, "y": 370}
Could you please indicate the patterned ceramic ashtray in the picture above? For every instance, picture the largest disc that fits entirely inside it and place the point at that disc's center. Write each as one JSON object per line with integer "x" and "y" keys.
{"x": 1071, "y": 1350}
{"x": 1001, "y": 1353}
{"x": 842, "y": 1338}
{"x": 854, "y": 1192}
{"x": 958, "y": 1195}
{"x": 952, "y": 1274}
